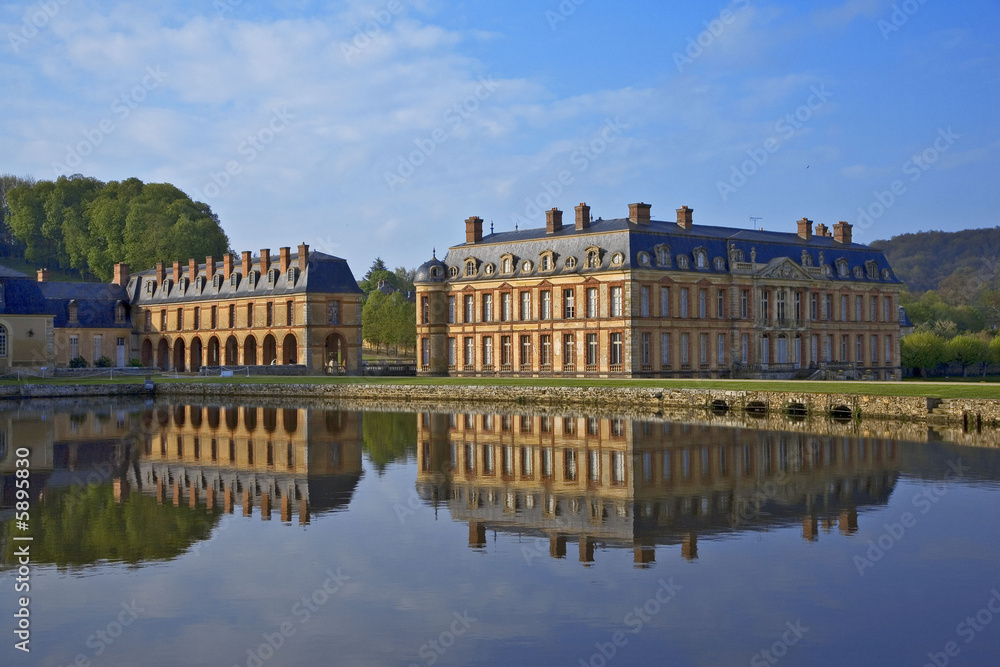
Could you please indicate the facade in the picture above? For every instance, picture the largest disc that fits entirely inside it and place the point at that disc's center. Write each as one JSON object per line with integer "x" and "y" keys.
{"x": 294, "y": 308}
{"x": 636, "y": 297}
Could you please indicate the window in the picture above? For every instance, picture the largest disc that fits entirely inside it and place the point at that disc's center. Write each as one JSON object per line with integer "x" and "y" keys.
{"x": 765, "y": 350}
{"x": 505, "y": 352}
{"x": 887, "y": 309}
{"x": 888, "y": 350}
{"x": 859, "y": 349}
{"x": 873, "y": 312}
{"x": 425, "y": 352}
{"x": 546, "y": 309}
{"x": 545, "y": 343}
{"x": 546, "y": 262}
{"x": 644, "y": 350}
{"x": 814, "y": 349}
{"x": 73, "y": 311}
{"x": 250, "y": 315}
{"x": 814, "y": 306}
{"x": 470, "y": 308}
{"x": 720, "y": 350}
{"x": 451, "y": 353}
{"x": 828, "y": 349}
{"x": 782, "y": 350}
{"x": 843, "y": 348}
{"x": 569, "y": 457}
{"x": 289, "y": 314}
{"x": 592, "y": 351}
{"x": 780, "y": 304}
{"x": 451, "y": 309}
{"x": 74, "y": 347}
{"x": 744, "y": 303}
{"x": 644, "y": 301}
{"x": 525, "y": 352}
{"x": 3, "y": 341}
{"x": 333, "y": 312}
{"x": 268, "y": 315}
{"x": 592, "y": 302}
{"x": 720, "y": 304}
{"x": 232, "y": 316}
{"x": 470, "y": 352}
{"x": 703, "y": 349}
{"x": 505, "y": 307}
{"x": 525, "y": 306}
{"x": 593, "y": 259}
{"x": 684, "y": 302}
{"x": 843, "y": 307}
{"x": 163, "y": 320}
{"x": 487, "y": 308}
{"x": 798, "y": 306}
{"x": 488, "y": 353}
{"x": 665, "y": 350}
{"x": 873, "y": 358}
{"x": 616, "y": 349}
{"x": 180, "y": 319}
{"x": 744, "y": 348}
{"x": 120, "y": 313}
{"x": 470, "y": 268}
{"x": 507, "y": 265}
{"x": 197, "y": 318}
{"x": 149, "y": 320}
{"x": 569, "y": 351}
{"x": 827, "y": 307}
{"x": 616, "y": 302}
{"x": 702, "y": 303}
{"x": 568, "y": 300}
{"x": 765, "y": 306}
{"x": 685, "y": 349}
{"x": 664, "y": 302}
{"x": 858, "y": 308}
{"x": 699, "y": 258}
{"x": 663, "y": 255}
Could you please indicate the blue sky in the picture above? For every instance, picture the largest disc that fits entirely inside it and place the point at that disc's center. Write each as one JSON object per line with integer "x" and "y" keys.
{"x": 372, "y": 128}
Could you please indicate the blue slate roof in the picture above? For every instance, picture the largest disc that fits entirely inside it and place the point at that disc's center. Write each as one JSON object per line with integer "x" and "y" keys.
{"x": 95, "y": 304}
{"x": 619, "y": 235}
{"x": 21, "y": 295}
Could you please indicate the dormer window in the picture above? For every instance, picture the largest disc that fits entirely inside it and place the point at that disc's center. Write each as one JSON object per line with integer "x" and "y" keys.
{"x": 545, "y": 262}
{"x": 593, "y": 258}
{"x": 73, "y": 312}
{"x": 842, "y": 268}
{"x": 871, "y": 268}
{"x": 701, "y": 259}
{"x": 507, "y": 264}
{"x": 252, "y": 279}
{"x": 663, "y": 255}
{"x": 217, "y": 282}
{"x": 720, "y": 264}
{"x": 682, "y": 261}
{"x": 470, "y": 268}
{"x": 165, "y": 288}
{"x": 570, "y": 263}
{"x": 453, "y": 271}
{"x": 234, "y": 280}
{"x": 199, "y": 284}
{"x": 488, "y": 269}
{"x": 435, "y": 272}
{"x": 150, "y": 287}
{"x": 292, "y": 275}
{"x": 272, "y": 277}
{"x": 119, "y": 313}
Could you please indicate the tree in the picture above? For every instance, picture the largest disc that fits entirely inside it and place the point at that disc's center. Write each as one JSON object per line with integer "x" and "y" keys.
{"x": 922, "y": 350}
{"x": 967, "y": 350}
{"x": 374, "y": 320}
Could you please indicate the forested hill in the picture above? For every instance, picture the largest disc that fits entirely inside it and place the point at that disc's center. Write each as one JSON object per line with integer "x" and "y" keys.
{"x": 959, "y": 263}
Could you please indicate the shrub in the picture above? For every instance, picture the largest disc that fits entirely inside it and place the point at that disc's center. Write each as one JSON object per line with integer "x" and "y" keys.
{"x": 103, "y": 362}
{"x": 136, "y": 363}
{"x": 78, "y": 362}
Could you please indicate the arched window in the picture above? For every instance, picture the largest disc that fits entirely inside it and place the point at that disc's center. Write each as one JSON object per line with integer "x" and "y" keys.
{"x": 663, "y": 255}
{"x": 72, "y": 311}
{"x": 3, "y": 341}
{"x": 470, "y": 267}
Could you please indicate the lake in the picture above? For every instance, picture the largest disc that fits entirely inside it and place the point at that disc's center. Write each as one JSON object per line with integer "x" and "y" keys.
{"x": 260, "y": 535}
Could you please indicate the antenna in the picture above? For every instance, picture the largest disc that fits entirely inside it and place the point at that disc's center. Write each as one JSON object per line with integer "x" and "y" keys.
{"x": 754, "y": 219}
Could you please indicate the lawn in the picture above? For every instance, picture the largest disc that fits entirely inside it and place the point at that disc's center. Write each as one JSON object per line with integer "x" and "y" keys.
{"x": 950, "y": 389}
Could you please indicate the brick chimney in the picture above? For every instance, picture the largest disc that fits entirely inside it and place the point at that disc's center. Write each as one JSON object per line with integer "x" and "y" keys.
{"x": 177, "y": 271}
{"x": 473, "y": 230}
{"x": 553, "y": 221}
{"x": 192, "y": 269}
{"x": 805, "y": 229}
{"x": 685, "y": 217}
{"x": 161, "y": 274}
{"x": 303, "y": 257}
{"x": 247, "y": 262}
{"x": 120, "y": 276}
{"x": 265, "y": 261}
{"x": 842, "y": 232}
{"x": 285, "y": 254}
{"x": 582, "y": 217}
{"x": 227, "y": 265}
{"x": 821, "y": 230}
{"x": 43, "y": 274}
{"x": 209, "y": 268}
{"x": 638, "y": 214}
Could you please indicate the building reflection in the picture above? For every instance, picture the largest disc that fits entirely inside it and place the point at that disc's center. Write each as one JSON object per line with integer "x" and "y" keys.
{"x": 623, "y": 483}
{"x": 294, "y": 462}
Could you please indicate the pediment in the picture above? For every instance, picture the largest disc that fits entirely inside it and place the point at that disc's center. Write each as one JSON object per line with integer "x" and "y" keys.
{"x": 783, "y": 268}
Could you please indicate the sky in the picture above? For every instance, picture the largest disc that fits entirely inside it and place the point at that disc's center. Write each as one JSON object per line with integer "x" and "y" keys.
{"x": 374, "y": 128}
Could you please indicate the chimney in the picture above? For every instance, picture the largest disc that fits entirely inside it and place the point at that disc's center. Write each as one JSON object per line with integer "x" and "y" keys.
{"x": 286, "y": 259}
{"x": 842, "y": 232}
{"x": 121, "y": 274}
{"x": 582, "y": 217}
{"x": 638, "y": 214}
{"x": 473, "y": 230}
{"x": 265, "y": 261}
{"x": 685, "y": 217}
{"x": 161, "y": 273}
{"x": 805, "y": 229}
{"x": 247, "y": 262}
{"x": 227, "y": 265}
{"x": 192, "y": 269}
{"x": 821, "y": 230}
{"x": 177, "y": 271}
{"x": 553, "y": 221}
{"x": 303, "y": 257}
{"x": 209, "y": 268}
{"x": 43, "y": 274}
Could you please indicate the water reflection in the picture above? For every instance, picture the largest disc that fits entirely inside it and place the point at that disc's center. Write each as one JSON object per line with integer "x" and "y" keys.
{"x": 616, "y": 482}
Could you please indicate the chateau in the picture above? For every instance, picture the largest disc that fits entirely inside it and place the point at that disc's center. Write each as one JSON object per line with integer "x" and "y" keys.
{"x": 637, "y": 297}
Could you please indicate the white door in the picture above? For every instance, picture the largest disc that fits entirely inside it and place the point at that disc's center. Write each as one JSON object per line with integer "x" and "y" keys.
{"x": 121, "y": 353}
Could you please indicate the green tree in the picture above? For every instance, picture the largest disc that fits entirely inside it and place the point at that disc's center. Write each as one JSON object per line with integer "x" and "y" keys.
{"x": 922, "y": 350}
{"x": 968, "y": 350}
{"x": 388, "y": 437}
{"x": 374, "y": 320}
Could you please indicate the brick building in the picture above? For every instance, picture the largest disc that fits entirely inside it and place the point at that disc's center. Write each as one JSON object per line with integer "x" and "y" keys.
{"x": 636, "y": 297}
